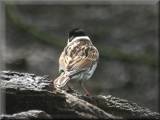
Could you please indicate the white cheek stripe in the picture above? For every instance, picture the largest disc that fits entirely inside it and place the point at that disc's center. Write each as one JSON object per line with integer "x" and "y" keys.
{"x": 78, "y": 38}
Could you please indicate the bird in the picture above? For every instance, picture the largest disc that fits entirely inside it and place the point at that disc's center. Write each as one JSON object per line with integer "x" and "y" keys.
{"x": 78, "y": 60}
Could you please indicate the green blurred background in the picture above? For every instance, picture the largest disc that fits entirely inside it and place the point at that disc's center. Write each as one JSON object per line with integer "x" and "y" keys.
{"x": 126, "y": 36}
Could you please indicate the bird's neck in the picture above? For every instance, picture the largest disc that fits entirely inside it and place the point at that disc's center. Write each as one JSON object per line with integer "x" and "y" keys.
{"x": 80, "y": 38}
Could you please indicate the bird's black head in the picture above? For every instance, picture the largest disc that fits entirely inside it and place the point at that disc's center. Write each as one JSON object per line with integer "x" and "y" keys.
{"x": 76, "y": 32}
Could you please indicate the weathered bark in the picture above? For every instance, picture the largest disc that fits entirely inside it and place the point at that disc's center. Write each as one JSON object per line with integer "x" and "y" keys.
{"x": 31, "y": 114}
{"x": 25, "y": 92}
{"x": 121, "y": 107}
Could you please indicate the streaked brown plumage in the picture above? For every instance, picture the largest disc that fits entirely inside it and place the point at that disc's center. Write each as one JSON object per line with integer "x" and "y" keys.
{"x": 77, "y": 61}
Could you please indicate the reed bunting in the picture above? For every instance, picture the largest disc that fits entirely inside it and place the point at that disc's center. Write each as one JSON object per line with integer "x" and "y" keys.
{"x": 78, "y": 59}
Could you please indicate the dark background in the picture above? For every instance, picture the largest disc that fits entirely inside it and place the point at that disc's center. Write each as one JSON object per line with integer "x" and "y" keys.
{"x": 126, "y": 36}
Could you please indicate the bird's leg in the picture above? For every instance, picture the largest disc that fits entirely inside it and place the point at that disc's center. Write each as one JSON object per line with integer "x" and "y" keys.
{"x": 87, "y": 93}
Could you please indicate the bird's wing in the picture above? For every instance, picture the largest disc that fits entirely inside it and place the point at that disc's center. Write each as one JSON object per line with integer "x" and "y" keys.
{"x": 78, "y": 57}
{"x": 88, "y": 59}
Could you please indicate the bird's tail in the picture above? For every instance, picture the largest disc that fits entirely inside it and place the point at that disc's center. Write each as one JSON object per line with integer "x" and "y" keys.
{"x": 61, "y": 81}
